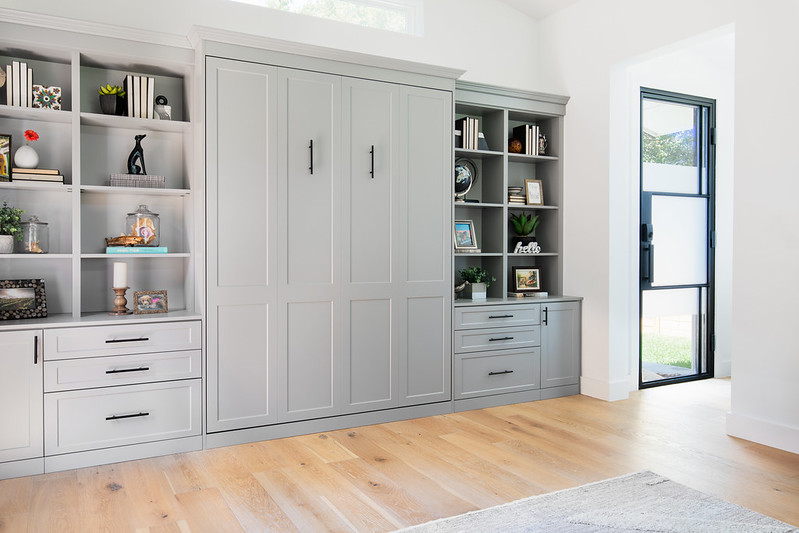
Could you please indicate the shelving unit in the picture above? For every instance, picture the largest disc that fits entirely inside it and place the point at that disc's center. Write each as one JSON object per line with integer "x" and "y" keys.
{"x": 498, "y": 111}
{"x": 87, "y": 146}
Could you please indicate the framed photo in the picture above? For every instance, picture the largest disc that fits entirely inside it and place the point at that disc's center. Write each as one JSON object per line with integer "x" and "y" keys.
{"x": 148, "y": 302}
{"x": 526, "y": 279}
{"x": 22, "y": 298}
{"x": 5, "y": 157}
{"x": 535, "y": 192}
{"x": 465, "y": 237}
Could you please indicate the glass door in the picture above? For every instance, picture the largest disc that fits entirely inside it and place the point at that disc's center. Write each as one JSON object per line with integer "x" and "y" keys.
{"x": 676, "y": 254}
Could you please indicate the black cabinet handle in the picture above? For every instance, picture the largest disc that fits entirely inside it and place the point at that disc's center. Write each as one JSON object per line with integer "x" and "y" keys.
{"x": 501, "y": 339}
{"x": 35, "y": 349}
{"x": 310, "y": 147}
{"x": 112, "y": 341}
{"x": 500, "y": 373}
{"x": 546, "y": 316}
{"x": 123, "y": 370}
{"x": 372, "y": 154}
{"x": 501, "y": 316}
{"x": 120, "y": 417}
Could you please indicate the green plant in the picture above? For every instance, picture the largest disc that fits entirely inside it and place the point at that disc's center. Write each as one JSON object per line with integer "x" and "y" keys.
{"x": 10, "y": 221}
{"x": 524, "y": 225}
{"x": 111, "y": 89}
{"x": 477, "y": 274}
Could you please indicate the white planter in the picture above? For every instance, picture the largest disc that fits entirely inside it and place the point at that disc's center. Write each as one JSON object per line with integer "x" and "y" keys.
{"x": 475, "y": 291}
{"x": 26, "y": 157}
{"x": 6, "y": 244}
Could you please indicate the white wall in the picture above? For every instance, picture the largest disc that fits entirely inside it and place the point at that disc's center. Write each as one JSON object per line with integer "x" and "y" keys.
{"x": 583, "y": 46}
{"x": 491, "y": 41}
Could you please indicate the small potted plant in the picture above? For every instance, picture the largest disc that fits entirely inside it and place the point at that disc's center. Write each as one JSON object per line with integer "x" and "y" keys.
{"x": 111, "y": 98}
{"x": 524, "y": 226}
{"x": 10, "y": 227}
{"x": 477, "y": 282}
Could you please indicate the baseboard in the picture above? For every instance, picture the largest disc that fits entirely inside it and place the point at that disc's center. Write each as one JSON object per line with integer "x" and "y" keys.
{"x": 763, "y": 432}
{"x": 468, "y": 404}
{"x": 610, "y": 391}
{"x": 68, "y": 461}
{"x": 26, "y": 467}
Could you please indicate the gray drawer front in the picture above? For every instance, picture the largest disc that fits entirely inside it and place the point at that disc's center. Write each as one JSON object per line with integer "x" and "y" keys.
{"x": 493, "y": 316}
{"x": 482, "y": 374}
{"x": 479, "y": 340}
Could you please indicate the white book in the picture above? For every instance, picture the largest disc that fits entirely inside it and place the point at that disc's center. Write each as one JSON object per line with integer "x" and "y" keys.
{"x": 150, "y": 97}
{"x": 143, "y": 98}
{"x": 9, "y": 83}
{"x": 24, "y": 88}
{"x": 30, "y": 87}
{"x": 535, "y": 140}
{"x": 136, "y": 96}
{"x": 15, "y": 83}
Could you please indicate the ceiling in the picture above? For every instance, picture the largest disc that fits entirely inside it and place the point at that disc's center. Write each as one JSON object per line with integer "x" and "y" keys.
{"x": 538, "y": 9}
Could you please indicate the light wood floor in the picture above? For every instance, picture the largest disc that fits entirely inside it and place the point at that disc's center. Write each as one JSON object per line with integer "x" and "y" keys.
{"x": 379, "y": 478}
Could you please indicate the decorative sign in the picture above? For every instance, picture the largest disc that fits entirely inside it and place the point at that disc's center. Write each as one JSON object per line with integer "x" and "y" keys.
{"x": 530, "y": 248}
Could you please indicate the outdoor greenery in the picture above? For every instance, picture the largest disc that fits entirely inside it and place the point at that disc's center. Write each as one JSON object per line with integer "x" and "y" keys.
{"x": 477, "y": 274}
{"x": 666, "y": 350}
{"x": 673, "y": 149}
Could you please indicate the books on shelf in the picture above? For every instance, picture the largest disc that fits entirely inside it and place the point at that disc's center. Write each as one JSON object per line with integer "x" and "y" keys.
{"x": 19, "y": 84}
{"x": 140, "y": 95}
{"x": 527, "y": 134}
{"x": 516, "y": 199}
{"x": 470, "y": 134}
{"x": 48, "y": 175}
{"x": 132, "y": 250}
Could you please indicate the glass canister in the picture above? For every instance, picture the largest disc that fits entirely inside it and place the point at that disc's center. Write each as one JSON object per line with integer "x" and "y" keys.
{"x": 35, "y": 237}
{"x": 144, "y": 223}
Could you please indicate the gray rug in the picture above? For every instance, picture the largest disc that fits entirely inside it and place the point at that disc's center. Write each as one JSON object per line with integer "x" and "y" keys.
{"x": 643, "y": 501}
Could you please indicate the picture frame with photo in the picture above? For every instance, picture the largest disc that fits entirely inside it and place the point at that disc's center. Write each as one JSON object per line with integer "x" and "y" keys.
{"x": 22, "y": 298}
{"x": 534, "y": 191}
{"x": 150, "y": 302}
{"x": 465, "y": 236}
{"x": 526, "y": 279}
{"x": 5, "y": 157}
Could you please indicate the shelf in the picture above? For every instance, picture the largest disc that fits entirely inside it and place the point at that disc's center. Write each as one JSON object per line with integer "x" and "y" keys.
{"x": 116, "y": 121}
{"x": 481, "y": 254}
{"x": 36, "y": 186}
{"x": 170, "y": 255}
{"x": 522, "y": 158}
{"x": 35, "y": 257}
{"x": 541, "y": 254}
{"x": 105, "y": 189}
{"x": 477, "y": 154}
{"x": 35, "y": 113}
{"x": 539, "y": 207}
{"x": 475, "y": 204}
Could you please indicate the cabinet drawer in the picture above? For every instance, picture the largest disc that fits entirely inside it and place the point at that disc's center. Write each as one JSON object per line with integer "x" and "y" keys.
{"x": 72, "y": 343}
{"x": 102, "y": 418}
{"x": 482, "y": 374}
{"x": 71, "y": 374}
{"x": 491, "y": 316}
{"x": 477, "y": 340}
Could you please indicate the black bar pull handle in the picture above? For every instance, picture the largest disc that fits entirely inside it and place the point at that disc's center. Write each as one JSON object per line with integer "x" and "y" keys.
{"x": 500, "y": 373}
{"x": 138, "y": 339}
{"x": 372, "y": 154}
{"x": 120, "y": 417}
{"x": 501, "y": 339}
{"x": 35, "y": 349}
{"x": 501, "y": 316}
{"x": 123, "y": 370}
{"x": 546, "y": 316}
{"x": 310, "y": 148}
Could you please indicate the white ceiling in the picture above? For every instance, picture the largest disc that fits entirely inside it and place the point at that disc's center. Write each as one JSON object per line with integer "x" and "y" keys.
{"x": 538, "y": 9}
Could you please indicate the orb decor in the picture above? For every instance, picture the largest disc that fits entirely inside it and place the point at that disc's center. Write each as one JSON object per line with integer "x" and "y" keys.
{"x": 465, "y": 177}
{"x": 514, "y": 146}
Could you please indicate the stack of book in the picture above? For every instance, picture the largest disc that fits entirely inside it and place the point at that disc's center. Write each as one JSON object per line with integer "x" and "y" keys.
{"x": 527, "y": 134}
{"x": 132, "y": 250}
{"x": 515, "y": 195}
{"x": 470, "y": 133}
{"x": 44, "y": 175}
{"x": 19, "y": 84}
{"x": 140, "y": 95}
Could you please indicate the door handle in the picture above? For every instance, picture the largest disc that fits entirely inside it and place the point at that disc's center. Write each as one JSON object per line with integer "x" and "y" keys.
{"x": 546, "y": 316}
{"x": 648, "y": 260}
{"x": 121, "y": 417}
{"x": 500, "y": 373}
{"x": 372, "y": 154}
{"x": 501, "y": 316}
{"x": 123, "y": 370}
{"x": 111, "y": 341}
{"x": 310, "y": 148}
{"x": 35, "y": 349}
{"x": 501, "y": 339}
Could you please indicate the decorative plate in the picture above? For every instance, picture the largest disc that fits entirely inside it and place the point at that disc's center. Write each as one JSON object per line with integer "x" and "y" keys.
{"x": 46, "y": 97}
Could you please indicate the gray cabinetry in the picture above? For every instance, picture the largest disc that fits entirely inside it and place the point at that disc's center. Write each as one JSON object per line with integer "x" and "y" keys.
{"x": 560, "y": 345}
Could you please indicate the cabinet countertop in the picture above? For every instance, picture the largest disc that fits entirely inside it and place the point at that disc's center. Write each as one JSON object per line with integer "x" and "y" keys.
{"x": 515, "y": 301}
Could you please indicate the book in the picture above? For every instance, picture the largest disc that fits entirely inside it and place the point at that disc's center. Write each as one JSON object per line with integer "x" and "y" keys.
{"x": 127, "y": 83}
{"x": 132, "y": 250}
{"x": 143, "y": 97}
{"x": 23, "y": 84}
{"x": 30, "y": 88}
{"x": 136, "y": 95}
{"x": 52, "y": 178}
{"x": 150, "y": 97}
{"x": 522, "y": 134}
{"x": 35, "y": 170}
{"x": 15, "y": 88}
{"x": 9, "y": 81}
{"x": 460, "y": 126}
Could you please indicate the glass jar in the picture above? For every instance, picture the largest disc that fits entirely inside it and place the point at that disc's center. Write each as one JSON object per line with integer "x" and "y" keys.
{"x": 144, "y": 223}
{"x": 35, "y": 237}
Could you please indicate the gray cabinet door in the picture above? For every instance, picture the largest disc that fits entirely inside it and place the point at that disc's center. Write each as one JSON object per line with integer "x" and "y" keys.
{"x": 241, "y": 203}
{"x": 425, "y": 243}
{"x": 370, "y": 132}
{"x": 21, "y": 395}
{"x": 309, "y": 244}
{"x": 560, "y": 344}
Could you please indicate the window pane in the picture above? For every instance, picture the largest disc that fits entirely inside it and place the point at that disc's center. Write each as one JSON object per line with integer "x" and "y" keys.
{"x": 680, "y": 240}
{"x": 669, "y": 147}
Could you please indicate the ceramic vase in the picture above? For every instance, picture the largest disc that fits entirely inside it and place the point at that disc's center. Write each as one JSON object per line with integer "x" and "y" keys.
{"x": 26, "y": 157}
{"x": 6, "y": 244}
{"x": 475, "y": 291}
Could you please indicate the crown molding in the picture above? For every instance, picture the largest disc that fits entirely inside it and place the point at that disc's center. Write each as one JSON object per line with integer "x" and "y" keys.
{"x": 493, "y": 90}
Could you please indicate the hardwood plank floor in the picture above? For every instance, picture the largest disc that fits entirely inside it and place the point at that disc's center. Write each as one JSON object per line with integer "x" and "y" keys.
{"x": 380, "y": 478}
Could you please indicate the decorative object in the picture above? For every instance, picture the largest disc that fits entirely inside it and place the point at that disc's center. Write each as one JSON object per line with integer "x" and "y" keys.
{"x": 515, "y": 146}
{"x": 47, "y": 97}
{"x": 526, "y": 279}
{"x": 459, "y": 287}
{"x": 149, "y": 302}
{"x": 35, "y": 237}
{"x": 465, "y": 178}
{"x": 477, "y": 282}
{"x": 465, "y": 237}
{"x": 530, "y": 247}
{"x": 10, "y": 227}
{"x": 119, "y": 285}
{"x": 26, "y": 156}
{"x": 5, "y": 157}
{"x": 136, "y": 157}
{"x": 535, "y": 192}
{"x": 642, "y": 501}
{"x": 120, "y": 279}
{"x": 542, "y": 144}
{"x": 482, "y": 143}
{"x": 125, "y": 240}
{"x": 525, "y": 227}
{"x": 145, "y": 181}
{"x": 112, "y": 99}
{"x": 22, "y": 298}
{"x": 144, "y": 223}
{"x": 162, "y": 110}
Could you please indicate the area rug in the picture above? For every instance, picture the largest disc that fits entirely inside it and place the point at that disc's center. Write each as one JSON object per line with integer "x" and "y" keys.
{"x": 642, "y": 501}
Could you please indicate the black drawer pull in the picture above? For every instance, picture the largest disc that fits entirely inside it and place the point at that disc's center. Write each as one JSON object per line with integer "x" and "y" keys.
{"x": 501, "y": 316}
{"x": 111, "y": 341}
{"x": 121, "y": 370}
{"x": 120, "y": 417}
{"x": 501, "y": 339}
{"x": 500, "y": 373}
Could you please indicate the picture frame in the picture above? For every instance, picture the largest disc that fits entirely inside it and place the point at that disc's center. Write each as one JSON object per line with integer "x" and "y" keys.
{"x": 534, "y": 191}
{"x": 22, "y": 298}
{"x": 150, "y": 302}
{"x": 5, "y": 157}
{"x": 465, "y": 236}
{"x": 526, "y": 279}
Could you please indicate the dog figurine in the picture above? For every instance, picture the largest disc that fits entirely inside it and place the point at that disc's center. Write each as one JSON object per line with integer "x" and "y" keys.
{"x": 137, "y": 156}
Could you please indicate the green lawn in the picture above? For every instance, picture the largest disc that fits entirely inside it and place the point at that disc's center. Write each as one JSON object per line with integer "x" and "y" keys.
{"x": 675, "y": 351}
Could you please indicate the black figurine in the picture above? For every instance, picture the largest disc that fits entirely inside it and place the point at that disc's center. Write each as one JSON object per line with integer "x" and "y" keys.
{"x": 137, "y": 156}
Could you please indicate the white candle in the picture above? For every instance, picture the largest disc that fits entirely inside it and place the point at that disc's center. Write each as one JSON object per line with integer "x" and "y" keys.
{"x": 120, "y": 275}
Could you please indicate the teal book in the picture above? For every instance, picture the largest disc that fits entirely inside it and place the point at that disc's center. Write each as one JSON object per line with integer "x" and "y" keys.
{"x": 132, "y": 250}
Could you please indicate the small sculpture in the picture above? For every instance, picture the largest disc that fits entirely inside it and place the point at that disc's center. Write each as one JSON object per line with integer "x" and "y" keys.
{"x": 137, "y": 156}
{"x": 125, "y": 240}
{"x": 514, "y": 146}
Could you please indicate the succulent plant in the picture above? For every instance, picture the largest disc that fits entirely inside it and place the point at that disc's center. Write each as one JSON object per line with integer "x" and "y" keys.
{"x": 524, "y": 225}
{"x": 111, "y": 89}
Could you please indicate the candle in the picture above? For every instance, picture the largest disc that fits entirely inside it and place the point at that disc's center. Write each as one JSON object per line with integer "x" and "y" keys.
{"x": 120, "y": 275}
